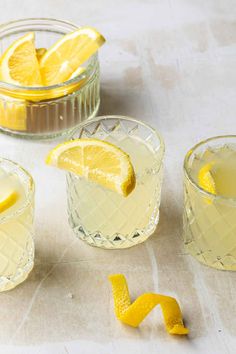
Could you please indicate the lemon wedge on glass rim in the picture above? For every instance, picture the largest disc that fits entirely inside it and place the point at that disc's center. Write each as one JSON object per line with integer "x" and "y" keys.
{"x": 96, "y": 160}
{"x": 61, "y": 60}
{"x": 19, "y": 63}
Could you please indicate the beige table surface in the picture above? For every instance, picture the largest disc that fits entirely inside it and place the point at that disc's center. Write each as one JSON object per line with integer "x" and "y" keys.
{"x": 171, "y": 63}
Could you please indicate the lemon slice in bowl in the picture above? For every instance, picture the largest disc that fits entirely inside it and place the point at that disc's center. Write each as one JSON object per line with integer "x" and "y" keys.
{"x": 19, "y": 64}
{"x": 7, "y": 199}
{"x": 68, "y": 53}
{"x": 96, "y": 160}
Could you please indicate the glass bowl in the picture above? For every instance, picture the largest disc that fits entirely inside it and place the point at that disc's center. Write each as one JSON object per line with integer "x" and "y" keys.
{"x": 49, "y": 111}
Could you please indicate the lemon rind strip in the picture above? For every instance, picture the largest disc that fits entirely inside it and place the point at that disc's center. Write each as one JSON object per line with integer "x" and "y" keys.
{"x": 133, "y": 314}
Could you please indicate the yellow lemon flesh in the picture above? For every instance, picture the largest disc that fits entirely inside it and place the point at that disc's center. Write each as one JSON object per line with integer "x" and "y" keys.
{"x": 206, "y": 180}
{"x": 133, "y": 314}
{"x": 96, "y": 160}
{"x": 7, "y": 199}
{"x": 41, "y": 51}
{"x": 19, "y": 64}
{"x": 68, "y": 53}
{"x": 219, "y": 178}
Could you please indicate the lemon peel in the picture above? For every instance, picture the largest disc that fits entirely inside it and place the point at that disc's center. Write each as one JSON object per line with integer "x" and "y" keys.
{"x": 133, "y": 314}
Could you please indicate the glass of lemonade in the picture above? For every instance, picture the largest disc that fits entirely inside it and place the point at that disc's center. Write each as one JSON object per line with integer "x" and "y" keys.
{"x": 210, "y": 202}
{"x": 104, "y": 218}
{"x": 16, "y": 225}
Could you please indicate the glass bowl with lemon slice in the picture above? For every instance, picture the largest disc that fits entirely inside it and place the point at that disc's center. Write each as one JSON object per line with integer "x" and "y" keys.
{"x": 49, "y": 72}
{"x": 210, "y": 202}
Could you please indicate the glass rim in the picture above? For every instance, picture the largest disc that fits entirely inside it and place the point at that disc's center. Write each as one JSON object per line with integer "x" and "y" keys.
{"x": 187, "y": 172}
{"x": 124, "y": 118}
{"x": 34, "y": 89}
{"x": 30, "y": 191}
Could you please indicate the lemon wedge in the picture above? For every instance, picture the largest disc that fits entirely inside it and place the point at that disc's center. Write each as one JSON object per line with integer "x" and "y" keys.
{"x": 7, "y": 199}
{"x": 68, "y": 53}
{"x": 96, "y": 160}
{"x": 19, "y": 64}
{"x": 206, "y": 180}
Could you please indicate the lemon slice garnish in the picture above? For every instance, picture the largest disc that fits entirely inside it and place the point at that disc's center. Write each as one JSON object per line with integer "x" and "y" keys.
{"x": 7, "y": 199}
{"x": 68, "y": 53}
{"x": 19, "y": 64}
{"x": 96, "y": 160}
{"x": 206, "y": 180}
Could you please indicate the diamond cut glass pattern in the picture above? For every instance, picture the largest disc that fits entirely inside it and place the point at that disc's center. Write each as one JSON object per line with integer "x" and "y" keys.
{"x": 102, "y": 217}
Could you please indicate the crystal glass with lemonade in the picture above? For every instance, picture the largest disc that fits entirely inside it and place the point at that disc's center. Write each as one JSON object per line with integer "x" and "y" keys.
{"x": 16, "y": 224}
{"x": 210, "y": 202}
{"x": 114, "y": 187}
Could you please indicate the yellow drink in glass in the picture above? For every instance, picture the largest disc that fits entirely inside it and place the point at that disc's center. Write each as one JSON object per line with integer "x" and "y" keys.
{"x": 210, "y": 202}
{"x": 105, "y": 218}
{"x": 16, "y": 226}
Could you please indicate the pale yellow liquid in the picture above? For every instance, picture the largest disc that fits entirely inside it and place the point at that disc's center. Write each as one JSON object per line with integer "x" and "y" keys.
{"x": 107, "y": 219}
{"x": 210, "y": 222}
{"x": 16, "y": 242}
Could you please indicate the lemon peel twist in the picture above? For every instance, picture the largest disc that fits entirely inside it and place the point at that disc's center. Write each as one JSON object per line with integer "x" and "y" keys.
{"x": 133, "y": 314}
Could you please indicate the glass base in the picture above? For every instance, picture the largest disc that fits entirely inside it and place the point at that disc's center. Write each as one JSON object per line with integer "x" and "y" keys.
{"x": 21, "y": 275}
{"x": 45, "y": 135}
{"x": 227, "y": 263}
{"x": 116, "y": 241}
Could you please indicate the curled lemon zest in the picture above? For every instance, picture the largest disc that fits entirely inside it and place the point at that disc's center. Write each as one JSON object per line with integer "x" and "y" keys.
{"x": 133, "y": 314}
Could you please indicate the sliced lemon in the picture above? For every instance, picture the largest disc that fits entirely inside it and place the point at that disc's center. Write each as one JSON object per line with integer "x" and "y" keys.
{"x": 68, "y": 53}
{"x": 19, "y": 64}
{"x": 7, "y": 199}
{"x": 96, "y": 160}
{"x": 206, "y": 180}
